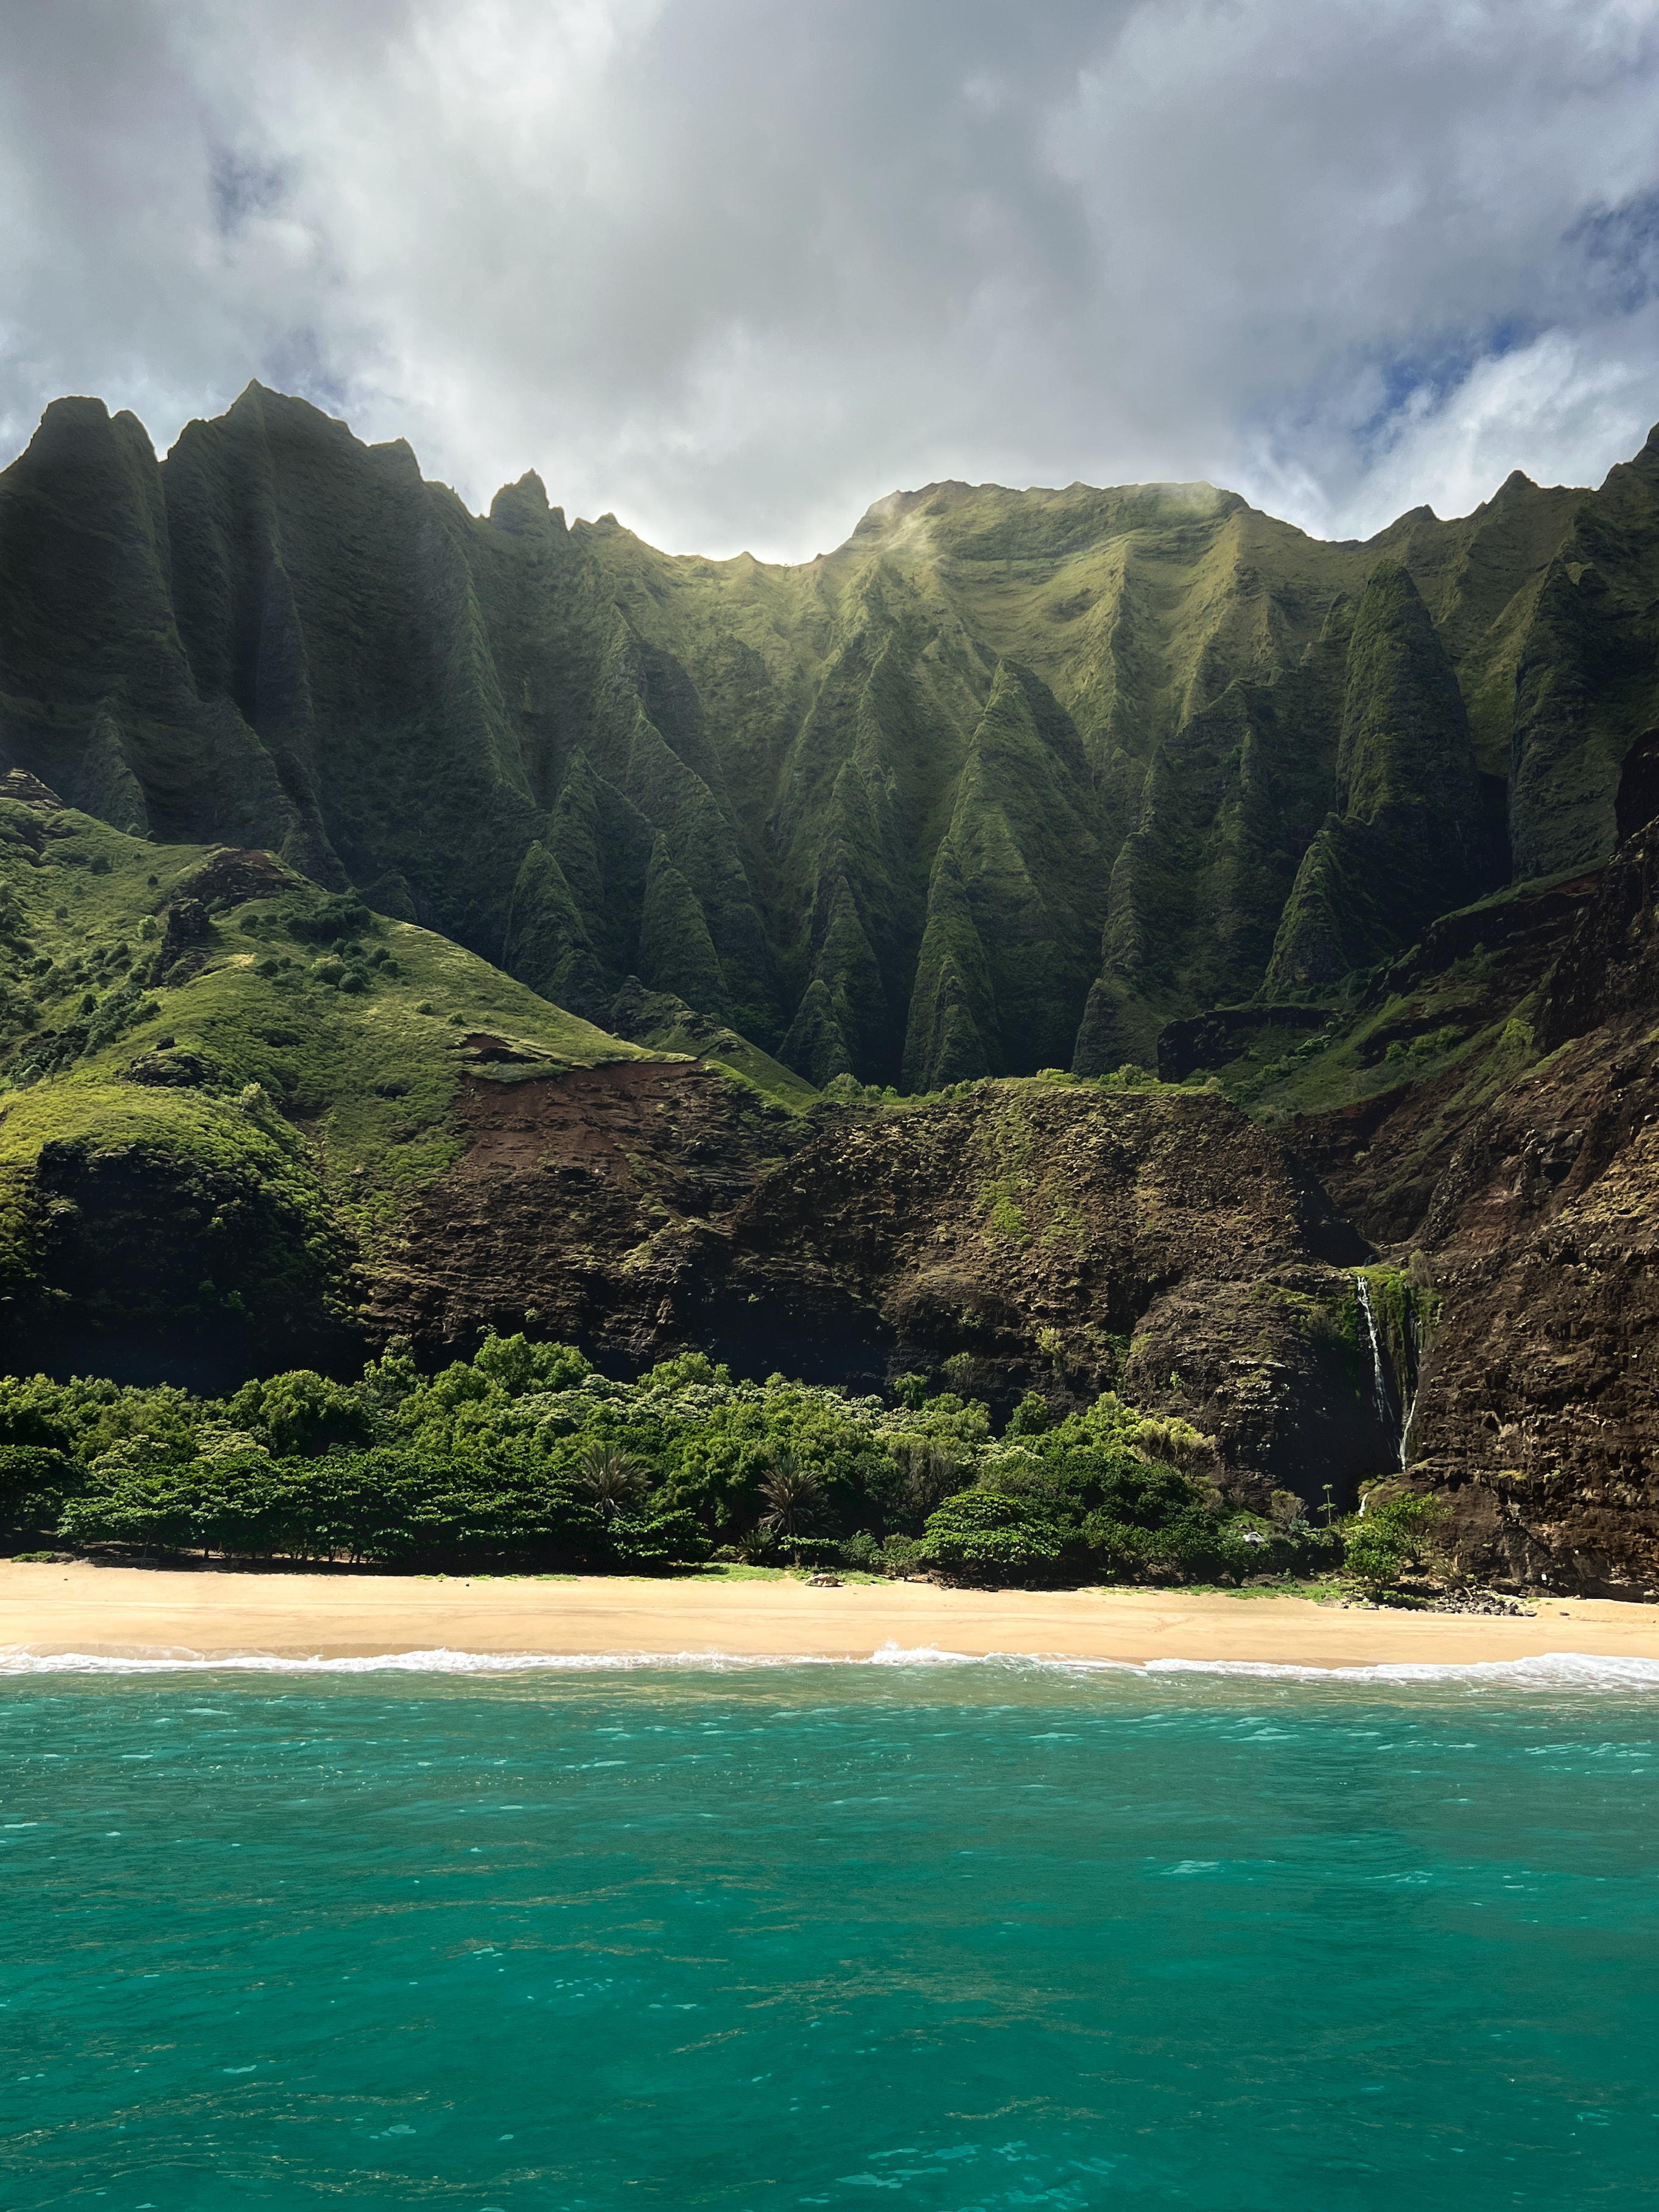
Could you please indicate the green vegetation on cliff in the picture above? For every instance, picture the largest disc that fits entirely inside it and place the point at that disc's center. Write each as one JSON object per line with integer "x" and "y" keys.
{"x": 419, "y": 923}
{"x": 1409, "y": 837}
{"x": 1009, "y": 779}
{"x": 217, "y": 1082}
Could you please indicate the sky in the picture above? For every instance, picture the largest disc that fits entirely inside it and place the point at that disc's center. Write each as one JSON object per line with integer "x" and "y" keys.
{"x": 734, "y": 268}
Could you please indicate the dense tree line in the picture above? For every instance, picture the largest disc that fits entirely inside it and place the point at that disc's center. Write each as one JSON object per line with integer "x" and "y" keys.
{"x": 527, "y": 1455}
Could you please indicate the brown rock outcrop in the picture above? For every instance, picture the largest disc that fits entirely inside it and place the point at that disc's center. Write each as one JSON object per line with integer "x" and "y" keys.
{"x": 1534, "y": 1204}
{"x": 1026, "y": 1235}
{"x": 579, "y": 1197}
{"x": 25, "y": 790}
{"x": 233, "y": 873}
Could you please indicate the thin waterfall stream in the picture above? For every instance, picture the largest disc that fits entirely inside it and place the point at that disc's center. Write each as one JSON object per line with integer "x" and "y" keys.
{"x": 1381, "y": 1401}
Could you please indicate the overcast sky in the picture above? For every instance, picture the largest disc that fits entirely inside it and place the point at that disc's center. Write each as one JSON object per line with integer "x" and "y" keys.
{"x": 735, "y": 268}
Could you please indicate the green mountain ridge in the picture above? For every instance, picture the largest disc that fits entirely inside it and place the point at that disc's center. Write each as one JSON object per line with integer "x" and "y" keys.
{"x": 417, "y": 928}
{"x": 1011, "y": 779}
{"x": 220, "y": 1086}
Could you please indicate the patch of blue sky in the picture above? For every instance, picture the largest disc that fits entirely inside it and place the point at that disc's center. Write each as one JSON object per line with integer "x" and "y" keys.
{"x": 239, "y": 187}
{"x": 296, "y": 362}
{"x": 1617, "y": 249}
{"x": 1410, "y": 383}
{"x": 1374, "y": 395}
{"x": 1603, "y": 268}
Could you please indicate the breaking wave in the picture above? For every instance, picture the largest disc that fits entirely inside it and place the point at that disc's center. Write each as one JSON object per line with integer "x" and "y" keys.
{"x": 1552, "y": 1671}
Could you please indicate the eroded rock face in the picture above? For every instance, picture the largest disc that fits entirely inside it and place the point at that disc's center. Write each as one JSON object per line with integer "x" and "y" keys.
{"x": 1044, "y": 1235}
{"x": 184, "y": 942}
{"x": 25, "y": 790}
{"x": 1538, "y": 1410}
{"x": 585, "y": 1197}
{"x": 1540, "y": 1405}
{"x": 233, "y": 873}
{"x": 1072, "y": 1241}
{"x": 1030, "y": 1236}
{"x": 1536, "y": 1214}
{"x": 1608, "y": 968}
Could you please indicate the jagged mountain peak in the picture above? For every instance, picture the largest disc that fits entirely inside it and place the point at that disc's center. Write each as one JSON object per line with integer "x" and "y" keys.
{"x": 1122, "y": 708}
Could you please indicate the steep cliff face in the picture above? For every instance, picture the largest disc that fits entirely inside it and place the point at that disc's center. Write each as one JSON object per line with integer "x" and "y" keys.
{"x": 1008, "y": 780}
{"x": 1526, "y": 1181}
{"x": 1068, "y": 1239}
{"x": 580, "y": 1205}
{"x": 1537, "y": 1408}
{"x": 245, "y": 1122}
{"x": 1538, "y": 1415}
{"x": 1029, "y": 1235}
{"x": 1410, "y": 836}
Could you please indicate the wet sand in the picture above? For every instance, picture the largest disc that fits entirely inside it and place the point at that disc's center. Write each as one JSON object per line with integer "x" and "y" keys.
{"x": 143, "y": 1613}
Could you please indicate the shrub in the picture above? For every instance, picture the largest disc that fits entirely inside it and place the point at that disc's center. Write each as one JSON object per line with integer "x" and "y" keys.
{"x": 817, "y": 1552}
{"x": 146, "y": 1506}
{"x": 1030, "y": 1417}
{"x": 901, "y": 1556}
{"x": 1177, "y": 1443}
{"x": 1386, "y": 1540}
{"x": 300, "y": 1412}
{"x": 1190, "y": 1541}
{"x": 330, "y": 921}
{"x": 983, "y": 1535}
{"x": 686, "y": 1368}
{"x": 35, "y": 1481}
{"x": 654, "y": 1541}
{"x": 929, "y": 1469}
{"x": 519, "y": 1365}
{"x": 32, "y": 1412}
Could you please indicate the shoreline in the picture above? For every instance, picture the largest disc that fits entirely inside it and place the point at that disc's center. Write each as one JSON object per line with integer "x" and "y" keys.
{"x": 59, "y": 1611}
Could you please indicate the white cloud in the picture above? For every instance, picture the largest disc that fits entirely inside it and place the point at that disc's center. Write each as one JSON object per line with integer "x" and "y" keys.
{"x": 734, "y": 269}
{"x": 1562, "y": 408}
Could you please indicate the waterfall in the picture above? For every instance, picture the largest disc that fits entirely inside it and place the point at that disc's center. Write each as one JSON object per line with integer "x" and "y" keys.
{"x": 1408, "y": 1413}
{"x": 1381, "y": 1402}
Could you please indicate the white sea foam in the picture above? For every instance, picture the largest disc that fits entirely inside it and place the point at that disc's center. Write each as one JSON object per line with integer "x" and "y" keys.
{"x": 1552, "y": 1671}
{"x": 926, "y": 1654}
{"x": 18, "y": 1659}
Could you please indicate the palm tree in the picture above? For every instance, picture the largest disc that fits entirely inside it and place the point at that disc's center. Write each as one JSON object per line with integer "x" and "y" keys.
{"x": 613, "y": 1478}
{"x": 794, "y": 1498}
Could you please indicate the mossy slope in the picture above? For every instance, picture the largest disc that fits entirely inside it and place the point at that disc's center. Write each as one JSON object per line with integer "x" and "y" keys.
{"x": 1010, "y": 778}
{"x": 217, "y": 1085}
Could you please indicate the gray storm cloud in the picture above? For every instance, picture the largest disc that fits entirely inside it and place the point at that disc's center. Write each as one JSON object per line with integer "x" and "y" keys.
{"x": 734, "y": 268}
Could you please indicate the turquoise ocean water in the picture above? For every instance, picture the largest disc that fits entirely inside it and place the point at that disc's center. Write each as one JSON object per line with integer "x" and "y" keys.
{"x": 948, "y": 1936}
